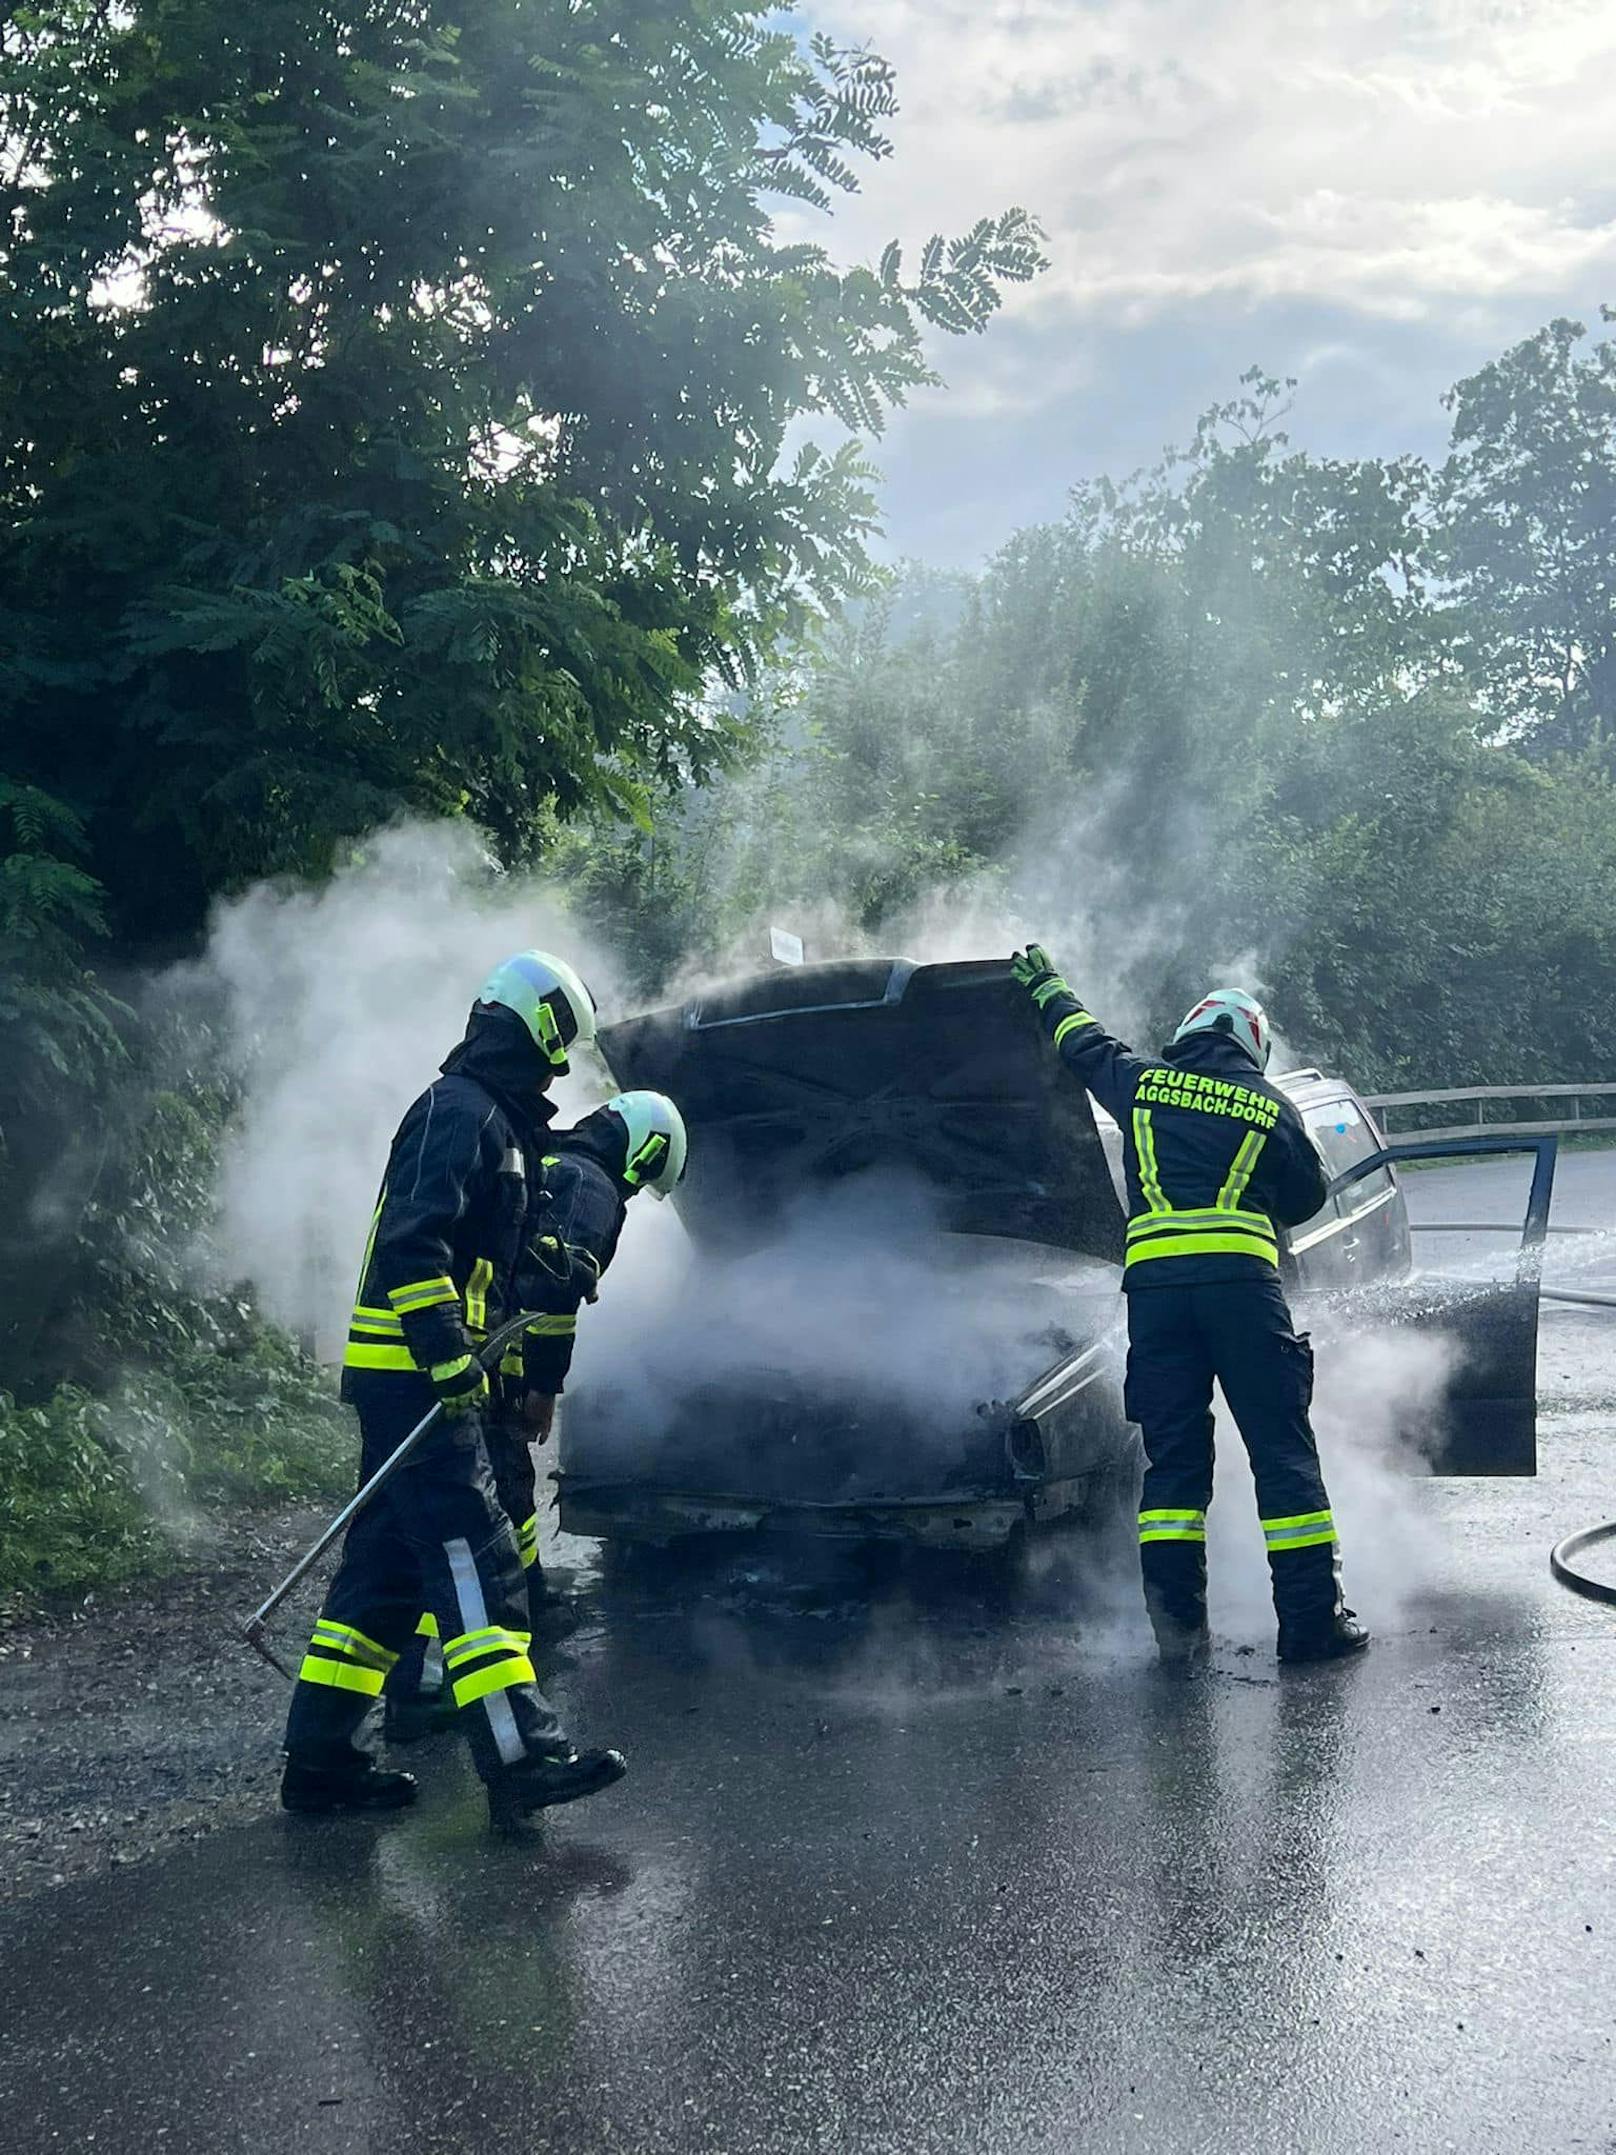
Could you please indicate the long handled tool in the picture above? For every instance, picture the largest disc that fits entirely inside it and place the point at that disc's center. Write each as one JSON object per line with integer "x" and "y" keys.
{"x": 256, "y": 1629}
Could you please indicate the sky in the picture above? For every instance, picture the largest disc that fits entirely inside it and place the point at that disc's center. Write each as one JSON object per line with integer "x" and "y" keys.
{"x": 1374, "y": 196}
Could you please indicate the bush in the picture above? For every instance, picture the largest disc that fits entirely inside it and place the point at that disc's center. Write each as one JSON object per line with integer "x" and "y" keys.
{"x": 74, "y": 1515}
{"x": 100, "y": 1490}
{"x": 178, "y": 1397}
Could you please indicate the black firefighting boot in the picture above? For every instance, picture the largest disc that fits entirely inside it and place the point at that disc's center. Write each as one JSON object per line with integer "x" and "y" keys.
{"x": 539, "y": 1782}
{"x": 354, "y": 1784}
{"x": 1314, "y": 1622}
{"x": 1175, "y": 1599}
{"x": 1342, "y": 1635}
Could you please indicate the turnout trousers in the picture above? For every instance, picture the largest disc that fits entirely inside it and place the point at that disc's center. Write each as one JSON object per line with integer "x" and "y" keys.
{"x": 436, "y": 1539}
{"x": 1239, "y": 1333}
{"x": 509, "y": 1443}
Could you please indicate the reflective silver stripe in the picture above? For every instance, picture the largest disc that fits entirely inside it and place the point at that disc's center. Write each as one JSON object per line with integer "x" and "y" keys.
{"x": 474, "y": 1617}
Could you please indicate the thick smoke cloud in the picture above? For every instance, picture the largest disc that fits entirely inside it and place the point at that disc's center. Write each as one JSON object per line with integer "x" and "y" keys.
{"x": 336, "y": 1005}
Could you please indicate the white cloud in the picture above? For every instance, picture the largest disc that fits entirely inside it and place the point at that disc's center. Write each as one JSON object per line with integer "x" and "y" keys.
{"x": 1391, "y": 159}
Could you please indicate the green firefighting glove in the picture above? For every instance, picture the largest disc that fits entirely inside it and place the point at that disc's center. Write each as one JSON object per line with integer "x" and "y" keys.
{"x": 461, "y": 1385}
{"x": 1034, "y": 970}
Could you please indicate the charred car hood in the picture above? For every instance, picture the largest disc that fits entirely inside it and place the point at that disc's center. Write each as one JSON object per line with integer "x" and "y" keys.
{"x": 809, "y": 1076}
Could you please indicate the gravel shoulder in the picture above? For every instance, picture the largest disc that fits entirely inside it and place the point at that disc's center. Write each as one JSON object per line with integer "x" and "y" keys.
{"x": 135, "y": 1719}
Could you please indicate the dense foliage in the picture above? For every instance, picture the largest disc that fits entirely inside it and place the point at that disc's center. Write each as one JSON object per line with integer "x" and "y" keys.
{"x": 405, "y": 392}
{"x": 1254, "y": 711}
{"x": 185, "y": 1397}
{"x": 404, "y": 395}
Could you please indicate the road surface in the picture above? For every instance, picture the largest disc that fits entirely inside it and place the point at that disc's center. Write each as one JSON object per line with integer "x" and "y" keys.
{"x": 920, "y": 1875}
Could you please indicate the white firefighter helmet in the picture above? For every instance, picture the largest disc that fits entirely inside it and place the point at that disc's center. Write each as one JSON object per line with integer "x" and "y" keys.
{"x": 657, "y": 1140}
{"x": 1237, "y": 1015}
{"x": 549, "y": 998}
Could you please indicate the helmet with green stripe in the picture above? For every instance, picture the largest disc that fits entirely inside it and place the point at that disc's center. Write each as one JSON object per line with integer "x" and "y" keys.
{"x": 657, "y": 1142}
{"x": 549, "y": 998}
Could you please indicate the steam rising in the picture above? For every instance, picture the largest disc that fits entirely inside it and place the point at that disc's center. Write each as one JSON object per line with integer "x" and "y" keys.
{"x": 338, "y": 1004}
{"x": 1377, "y": 1407}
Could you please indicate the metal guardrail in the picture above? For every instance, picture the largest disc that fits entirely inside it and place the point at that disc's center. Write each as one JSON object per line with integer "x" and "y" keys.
{"x": 1576, "y": 1124}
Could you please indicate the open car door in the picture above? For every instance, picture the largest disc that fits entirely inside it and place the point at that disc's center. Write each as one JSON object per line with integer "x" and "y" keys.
{"x": 1490, "y": 1423}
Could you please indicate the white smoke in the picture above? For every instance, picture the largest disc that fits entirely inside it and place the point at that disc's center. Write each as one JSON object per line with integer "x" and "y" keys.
{"x": 338, "y": 1003}
{"x": 1377, "y": 1410}
{"x": 861, "y": 1308}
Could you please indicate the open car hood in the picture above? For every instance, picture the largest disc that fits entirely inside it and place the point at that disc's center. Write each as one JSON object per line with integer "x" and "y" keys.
{"x": 807, "y": 1076}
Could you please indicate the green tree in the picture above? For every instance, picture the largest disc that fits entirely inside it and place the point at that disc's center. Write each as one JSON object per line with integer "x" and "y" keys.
{"x": 1526, "y": 537}
{"x": 1220, "y": 712}
{"x": 404, "y": 392}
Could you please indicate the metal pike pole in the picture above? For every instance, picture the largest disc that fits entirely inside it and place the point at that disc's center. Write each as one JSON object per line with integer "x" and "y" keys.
{"x": 256, "y": 1629}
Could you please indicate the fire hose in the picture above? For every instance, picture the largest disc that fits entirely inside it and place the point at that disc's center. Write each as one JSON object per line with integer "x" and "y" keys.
{"x": 1567, "y": 1573}
{"x": 256, "y": 1629}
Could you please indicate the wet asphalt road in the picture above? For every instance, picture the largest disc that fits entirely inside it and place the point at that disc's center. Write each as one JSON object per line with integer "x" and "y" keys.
{"x": 923, "y": 1873}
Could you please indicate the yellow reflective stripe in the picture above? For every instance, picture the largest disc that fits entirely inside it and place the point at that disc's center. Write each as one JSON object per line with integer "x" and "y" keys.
{"x": 356, "y": 1356}
{"x": 348, "y": 1641}
{"x": 370, "y": 1244}
{"x": 1245, "y": 1163}
{"x": 500, "y": 1677}
{"x": 466, "y": 1645}
{"x": 552, "y": 1327}
{"x": 427, "y": 1628}
{"x": 1253, "y": 1223}
{"x": 440, "y": 1372}
{"x": 1172, "y": 1525}
{"x": 1202, "y": 1246}
{"x": 1075, "y": 1023}
{"x": 375, "y": 1316}
{"x": 1144, "y": 1145}
{"x": 457, "y": 1653}
{"x": 482, "y": 1278}
{"x": 340, "y": 1676}
{"x": 527, "y": 1541}
{"x": 1208, "y": 1231}
{"x": 440, "y": 1283}
{"x": 1303, "y": 1530}
{"x": 422, "y": 1294}
{"x": 1170, "y": 1512}
{"x": 359, "y": 1330}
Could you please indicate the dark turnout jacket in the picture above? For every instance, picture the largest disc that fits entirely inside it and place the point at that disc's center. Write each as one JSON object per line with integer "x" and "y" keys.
{"x": 452, "y": 1221}
{"x": 578, "y": 1213}
{"x": 1215, "y": 1158}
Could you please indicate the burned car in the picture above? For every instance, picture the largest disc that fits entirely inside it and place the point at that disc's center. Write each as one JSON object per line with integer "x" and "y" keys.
{"x": 900, "y": 1315}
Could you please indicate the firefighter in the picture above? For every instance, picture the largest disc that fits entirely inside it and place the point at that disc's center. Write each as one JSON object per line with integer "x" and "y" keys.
{"x": 446, "y": 1242}
{"x": 636, "y": 1141}
{"x": 1216, "y": 1160}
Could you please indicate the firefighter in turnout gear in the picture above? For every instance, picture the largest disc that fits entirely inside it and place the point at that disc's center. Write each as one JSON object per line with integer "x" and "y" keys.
{"x": 1216, "y": 1161}
{"x": 440, "y": 1271}
{"x": 637, "y": 1141}
{"x": 578, "y": 1204}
